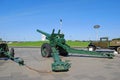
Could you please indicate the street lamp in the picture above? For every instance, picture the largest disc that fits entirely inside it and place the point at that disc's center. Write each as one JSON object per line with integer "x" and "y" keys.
{"x": 96, "y": 27}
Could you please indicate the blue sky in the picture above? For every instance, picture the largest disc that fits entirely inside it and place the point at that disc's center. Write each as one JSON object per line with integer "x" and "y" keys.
{"x": 19, "y": 19}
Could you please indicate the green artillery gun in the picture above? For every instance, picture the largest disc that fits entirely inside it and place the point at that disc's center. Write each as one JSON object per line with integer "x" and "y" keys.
{"x": 57, "y": 45}
{"x": 6, "y": 53}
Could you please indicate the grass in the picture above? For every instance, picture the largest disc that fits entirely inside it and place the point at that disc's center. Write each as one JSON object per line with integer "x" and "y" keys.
{"x": 77, "y": 43}
{"x": 39, "y": 43}
{"x": 27, "y": 44}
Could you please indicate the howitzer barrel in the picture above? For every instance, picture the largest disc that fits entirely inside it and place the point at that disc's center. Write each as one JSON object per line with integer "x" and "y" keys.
{"x": 46, "y": 34}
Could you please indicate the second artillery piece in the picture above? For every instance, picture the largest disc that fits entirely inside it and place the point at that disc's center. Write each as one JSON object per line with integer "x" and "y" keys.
{"x": 9, "y": 54}
{"x": 57, "y": 45}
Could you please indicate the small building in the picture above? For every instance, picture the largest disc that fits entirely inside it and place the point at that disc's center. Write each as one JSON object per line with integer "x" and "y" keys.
{"x": 43, "y": 37}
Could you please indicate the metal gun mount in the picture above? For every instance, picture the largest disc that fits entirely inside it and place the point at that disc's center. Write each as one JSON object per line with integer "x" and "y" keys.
{"x": 57, "y": 45}
{"x": 5, "y": 53}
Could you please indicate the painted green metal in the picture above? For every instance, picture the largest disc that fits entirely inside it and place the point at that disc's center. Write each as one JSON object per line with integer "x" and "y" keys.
{"x": 93, "y": 53}
{"x": 4, "y": 52}
{"x": 57, "y": 45}
{"x": 58, "y": 64}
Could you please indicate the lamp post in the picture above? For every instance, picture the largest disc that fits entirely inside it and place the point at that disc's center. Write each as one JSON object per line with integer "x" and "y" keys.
{"x": 96, "y": 27}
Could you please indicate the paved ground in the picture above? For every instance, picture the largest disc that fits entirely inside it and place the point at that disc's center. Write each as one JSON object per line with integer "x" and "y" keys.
{"x": 38, "y": 68}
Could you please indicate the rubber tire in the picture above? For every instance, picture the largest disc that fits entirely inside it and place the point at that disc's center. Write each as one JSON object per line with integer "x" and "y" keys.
{"x": 62, "y": 51}
{"x": 92, "y": 47}
{"x": 46, "y": 50}
{"x": 118, "y": 50}
{"x": 12, "y": 52}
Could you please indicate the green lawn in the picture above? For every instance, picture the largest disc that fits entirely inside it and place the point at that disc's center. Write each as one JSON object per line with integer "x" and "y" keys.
{"x": 39, "y": 43}
{"x": 77, "y": 43}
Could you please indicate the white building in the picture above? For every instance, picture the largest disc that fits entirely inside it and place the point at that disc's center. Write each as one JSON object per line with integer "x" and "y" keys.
{"x": 43, "y": 37}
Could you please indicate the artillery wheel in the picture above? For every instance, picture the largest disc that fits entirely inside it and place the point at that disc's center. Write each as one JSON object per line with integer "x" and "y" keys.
{"x": 12, "y": 53}
{"x": 62, "y": 51}
{"x": 46, "y": 50}
{"x": 91, "y": 48}
{"x": 118, "y": 50}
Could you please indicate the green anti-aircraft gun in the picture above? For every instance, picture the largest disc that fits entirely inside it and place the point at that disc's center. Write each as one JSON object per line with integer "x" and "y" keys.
{"x": 9, "y": 54}
{"x": 57, "y": 45}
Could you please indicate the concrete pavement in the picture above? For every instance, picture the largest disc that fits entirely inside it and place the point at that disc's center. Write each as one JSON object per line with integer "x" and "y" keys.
{"x": 39, "y": 68}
